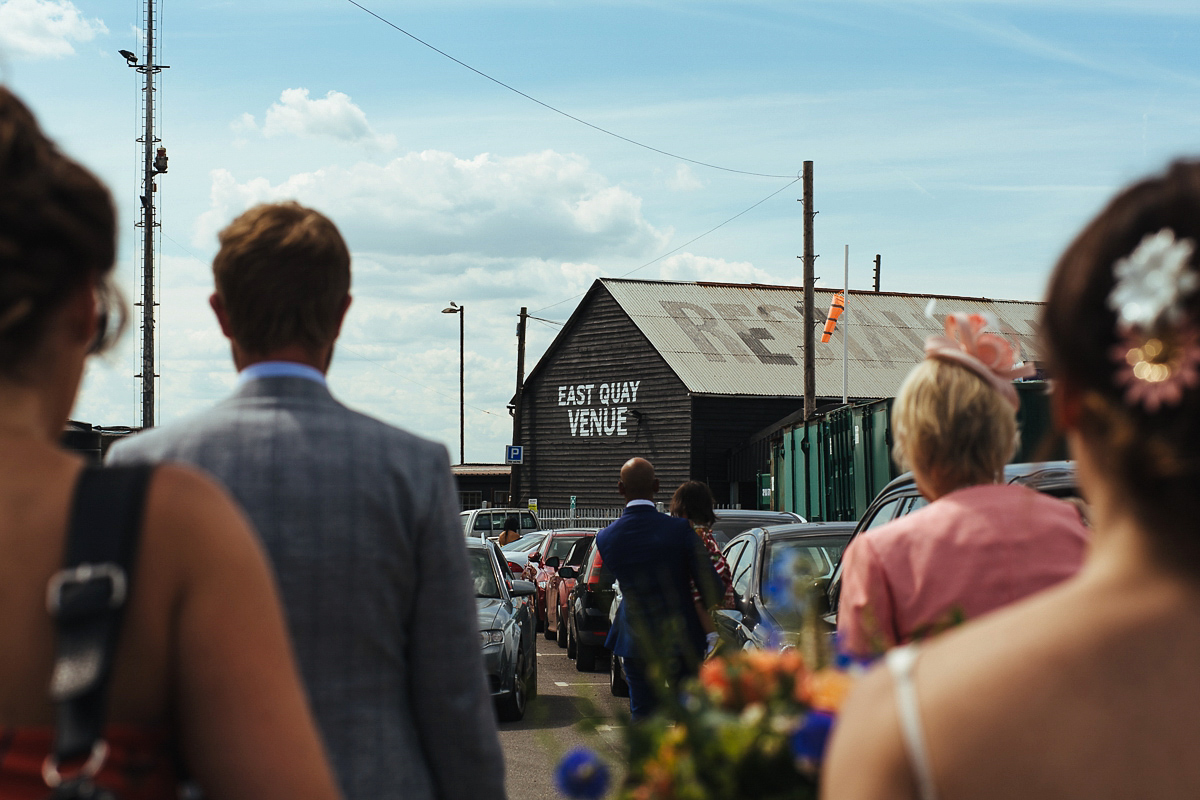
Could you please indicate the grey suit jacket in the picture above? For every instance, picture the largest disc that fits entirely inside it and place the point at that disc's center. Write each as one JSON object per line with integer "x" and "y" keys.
{"x": 361, "y": 522}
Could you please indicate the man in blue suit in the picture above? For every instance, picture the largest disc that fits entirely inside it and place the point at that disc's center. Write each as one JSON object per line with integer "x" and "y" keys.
{"x": 657, "y": 560}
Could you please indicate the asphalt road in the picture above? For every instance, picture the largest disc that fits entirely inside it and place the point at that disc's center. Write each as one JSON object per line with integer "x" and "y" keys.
{"x": 566, "y": 698}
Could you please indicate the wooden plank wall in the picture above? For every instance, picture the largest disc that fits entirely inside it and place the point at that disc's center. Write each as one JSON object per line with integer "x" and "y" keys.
{"x": 569, "y": 455}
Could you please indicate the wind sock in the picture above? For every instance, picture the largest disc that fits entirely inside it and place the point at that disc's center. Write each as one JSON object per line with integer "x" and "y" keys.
{"x": 835, "y": 311}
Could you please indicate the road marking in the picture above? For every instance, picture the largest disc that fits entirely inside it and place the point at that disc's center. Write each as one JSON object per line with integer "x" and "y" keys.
{"x": 560, "y": 683}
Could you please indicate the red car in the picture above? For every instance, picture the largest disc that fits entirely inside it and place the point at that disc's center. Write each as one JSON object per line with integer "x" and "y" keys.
{"x": 546, "y": 561}
{"x": 558, "y": 589}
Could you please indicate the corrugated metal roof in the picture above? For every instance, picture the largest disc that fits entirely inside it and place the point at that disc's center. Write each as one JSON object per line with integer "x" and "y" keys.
{"x": 731, "y": 339}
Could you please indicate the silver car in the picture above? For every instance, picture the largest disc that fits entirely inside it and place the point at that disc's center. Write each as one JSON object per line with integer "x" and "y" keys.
{"x": 506, "y": 630}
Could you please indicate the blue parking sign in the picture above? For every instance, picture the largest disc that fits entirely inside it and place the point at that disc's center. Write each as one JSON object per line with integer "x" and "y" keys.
{"x": 514, "y": 454}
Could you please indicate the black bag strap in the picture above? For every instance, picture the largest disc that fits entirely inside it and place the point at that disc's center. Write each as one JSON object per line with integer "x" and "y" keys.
{"x": 87, "y": 599}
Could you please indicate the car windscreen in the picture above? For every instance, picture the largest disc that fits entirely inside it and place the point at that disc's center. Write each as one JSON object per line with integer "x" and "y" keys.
{"x": 483, "y": 574}
{"x": 524, "y": 545}
{"x": 560, "y": 546}
{"x": 791, "y": 560}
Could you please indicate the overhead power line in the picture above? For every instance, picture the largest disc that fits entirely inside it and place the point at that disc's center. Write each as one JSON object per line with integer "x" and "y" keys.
{"x": 685, "y": 244}
{"x": 594, "y": 127}
{"x": 381, "y": 365}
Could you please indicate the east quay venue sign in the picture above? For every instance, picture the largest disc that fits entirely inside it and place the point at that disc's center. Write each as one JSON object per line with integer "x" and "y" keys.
{"x": 598, "y": 409}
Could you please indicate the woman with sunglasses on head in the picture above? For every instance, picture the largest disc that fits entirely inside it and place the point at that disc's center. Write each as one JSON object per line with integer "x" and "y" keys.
{"x": 202, "y": 679}
{"x": 1088, "y": 689}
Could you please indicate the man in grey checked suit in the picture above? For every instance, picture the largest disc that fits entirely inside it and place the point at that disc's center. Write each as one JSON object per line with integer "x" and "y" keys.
{"x": 360, "y": 520}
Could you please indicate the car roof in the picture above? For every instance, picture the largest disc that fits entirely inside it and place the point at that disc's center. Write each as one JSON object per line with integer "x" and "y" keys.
{"x": 801, "y": 530}
{"x": 1039, "y": 475}
{"x": 766, "y": 513}
{"x": 557, "y": 531}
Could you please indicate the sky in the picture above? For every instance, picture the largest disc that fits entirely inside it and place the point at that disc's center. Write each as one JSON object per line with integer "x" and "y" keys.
{"x": 964, "y": 141}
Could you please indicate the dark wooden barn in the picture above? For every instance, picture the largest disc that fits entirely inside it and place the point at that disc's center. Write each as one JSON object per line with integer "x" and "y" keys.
{"x": 684, "y": 374}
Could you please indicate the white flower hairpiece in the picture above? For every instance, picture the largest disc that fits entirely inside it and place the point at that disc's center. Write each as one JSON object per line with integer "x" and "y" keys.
{"x": 1158, "y": 355}
{"x": 1153, "y": 281}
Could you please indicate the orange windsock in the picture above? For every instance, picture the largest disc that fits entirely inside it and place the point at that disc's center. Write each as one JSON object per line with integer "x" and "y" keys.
{"x": 835, "y": 311}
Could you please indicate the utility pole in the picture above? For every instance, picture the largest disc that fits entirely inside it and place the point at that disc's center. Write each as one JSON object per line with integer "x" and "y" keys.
{"x": 877, "y": 264}
{"x": 514, "y": 480}
{"x": 462, "y": 392}
{"x": 810, "y": 364}
{"x": 154, "y": 162}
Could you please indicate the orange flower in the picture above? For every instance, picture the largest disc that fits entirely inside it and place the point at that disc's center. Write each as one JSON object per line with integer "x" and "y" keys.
{"x": 824, "y": 690}
{"x": 715, "y": 678}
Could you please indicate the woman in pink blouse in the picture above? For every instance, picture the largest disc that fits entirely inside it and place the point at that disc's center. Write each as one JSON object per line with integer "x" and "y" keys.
{"x": 980, "y": 544}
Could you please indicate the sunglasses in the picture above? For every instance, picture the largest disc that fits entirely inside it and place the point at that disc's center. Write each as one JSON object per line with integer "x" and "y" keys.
{"x": 110, "y": 317}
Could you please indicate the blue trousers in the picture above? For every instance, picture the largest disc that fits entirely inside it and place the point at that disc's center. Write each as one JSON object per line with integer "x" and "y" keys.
{"x": 645, "y": 694}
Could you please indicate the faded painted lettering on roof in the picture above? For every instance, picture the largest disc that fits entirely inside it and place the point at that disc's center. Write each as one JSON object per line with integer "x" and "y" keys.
{"x": 732, "y": 331}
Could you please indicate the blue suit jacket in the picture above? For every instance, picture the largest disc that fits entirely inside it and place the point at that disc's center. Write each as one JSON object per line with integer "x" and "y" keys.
{"x": 657, "y": 558}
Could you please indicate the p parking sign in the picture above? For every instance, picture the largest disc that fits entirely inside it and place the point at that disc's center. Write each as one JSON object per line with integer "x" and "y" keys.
{"x": 514, "y": 454}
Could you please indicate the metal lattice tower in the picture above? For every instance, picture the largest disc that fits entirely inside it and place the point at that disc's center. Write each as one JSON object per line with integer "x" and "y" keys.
{"x": 154, "y": 163}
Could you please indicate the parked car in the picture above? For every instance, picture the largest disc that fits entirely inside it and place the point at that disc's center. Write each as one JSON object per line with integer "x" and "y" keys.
{"x": 545, "y": 562}
{"x": 486, "y": 523}
{"x": 901, "y": 496}
{"x": 732, "y": 521}
{"x": 587, "y": 609}
{"x": 506, "y": 631}
{"x": 762, "y": 620}
{"x": 558, "y": 587}
{"x": 516, "y": 554}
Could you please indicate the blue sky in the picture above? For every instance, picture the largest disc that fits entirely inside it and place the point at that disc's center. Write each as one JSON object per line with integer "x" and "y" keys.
{"x": 964, "y": 141}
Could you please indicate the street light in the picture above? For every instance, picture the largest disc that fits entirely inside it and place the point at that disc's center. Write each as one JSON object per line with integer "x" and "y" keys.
{"x": 455, "y": 308}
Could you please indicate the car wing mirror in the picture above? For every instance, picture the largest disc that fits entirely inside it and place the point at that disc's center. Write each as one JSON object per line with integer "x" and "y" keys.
{"x": 568, "y": 572}
{"x": 523, "y": 588}
{"x": 534, "y": 558}
{"x": 553, "y": 561}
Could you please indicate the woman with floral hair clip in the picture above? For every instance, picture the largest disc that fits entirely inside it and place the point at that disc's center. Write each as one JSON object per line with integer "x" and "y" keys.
{"x": 1089, "y": 689}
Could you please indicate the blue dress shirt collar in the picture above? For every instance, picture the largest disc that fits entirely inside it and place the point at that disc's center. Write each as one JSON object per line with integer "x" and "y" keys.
{"x": 280, "y": 369}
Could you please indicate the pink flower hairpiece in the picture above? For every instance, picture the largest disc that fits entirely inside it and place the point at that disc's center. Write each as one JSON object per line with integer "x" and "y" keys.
{"x": 988, "y": 355}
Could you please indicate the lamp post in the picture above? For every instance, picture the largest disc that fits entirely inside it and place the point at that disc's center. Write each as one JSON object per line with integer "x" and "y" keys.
{"x": 455, "y": 308}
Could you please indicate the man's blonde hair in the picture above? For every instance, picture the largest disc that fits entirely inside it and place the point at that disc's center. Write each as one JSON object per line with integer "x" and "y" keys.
{"x": 283, "y": 274}
{"x": 950, "y": 424}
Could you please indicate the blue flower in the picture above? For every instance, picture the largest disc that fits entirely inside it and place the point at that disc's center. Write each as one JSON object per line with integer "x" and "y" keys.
{"x": 808, "y": 740}
{"x": 582, "y": 775}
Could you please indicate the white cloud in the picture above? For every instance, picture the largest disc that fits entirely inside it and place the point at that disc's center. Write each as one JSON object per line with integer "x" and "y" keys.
{"x": 684, "y": 180}
{"x": 690, "y": 267}
{"x": 333, "y": 116}
{"x": 541, "y": 206}
{"x": 44, "y": 28}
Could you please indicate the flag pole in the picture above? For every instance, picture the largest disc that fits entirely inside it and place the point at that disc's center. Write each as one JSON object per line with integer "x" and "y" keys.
{"x": 846, "y": 329}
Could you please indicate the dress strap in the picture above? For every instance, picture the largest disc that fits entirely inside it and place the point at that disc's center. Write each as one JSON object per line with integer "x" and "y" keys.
{"x": 901, "y": 661}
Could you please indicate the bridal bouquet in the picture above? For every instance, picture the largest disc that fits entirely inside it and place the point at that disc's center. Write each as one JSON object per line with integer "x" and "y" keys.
{"x": 753, "y": 725}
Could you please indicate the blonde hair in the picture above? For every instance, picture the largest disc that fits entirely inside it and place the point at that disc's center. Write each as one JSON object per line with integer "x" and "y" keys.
{"x": 949, "y": 423}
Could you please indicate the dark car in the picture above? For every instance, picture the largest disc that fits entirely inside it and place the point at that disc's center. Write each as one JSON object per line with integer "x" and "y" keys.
{"x": 506, "y": 631}
{"x": 732, "y": 521}
{"x": 901, "y": 496}
{"x": 763, "y": 563}
{"x": 588, "y": 606}
{"x": 545, "y": 562}
{"x": 559, "y": 586}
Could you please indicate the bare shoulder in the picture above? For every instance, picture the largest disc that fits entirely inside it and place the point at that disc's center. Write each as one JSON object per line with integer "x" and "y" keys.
{"x": 866, "y": 756}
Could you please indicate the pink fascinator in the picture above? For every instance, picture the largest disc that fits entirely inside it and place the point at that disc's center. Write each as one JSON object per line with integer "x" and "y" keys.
{"x": 988, "y": 355}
